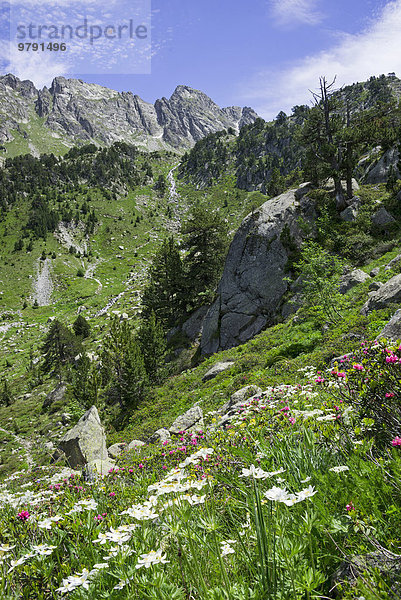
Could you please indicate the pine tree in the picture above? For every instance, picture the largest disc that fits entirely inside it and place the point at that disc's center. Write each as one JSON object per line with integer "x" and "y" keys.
{"x": 86, "y": 382}
{"x": 164, "y": 292}
{"x": 161, "y": 185}
{"x": 123, "y": 368}
{"x": 205, "y": 240}
{"x": 152, "y": 343}
{"x": 60, "y": 348}
{"x": 321, "y": 137}
{"x": 6, "y": 396}
{"x": 133, "y": 382}
{"x": 81, "y": 327}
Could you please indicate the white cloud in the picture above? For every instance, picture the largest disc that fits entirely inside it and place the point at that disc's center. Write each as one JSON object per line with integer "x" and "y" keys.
{"x": 293, "y": 12}
{"x": 374, "y": 51}
{"x": 40, "y": 68}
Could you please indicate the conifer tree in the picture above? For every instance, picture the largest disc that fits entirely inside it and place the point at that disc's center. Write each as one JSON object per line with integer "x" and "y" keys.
{"x": 86, "y": 383}
{"x": 205, "y": 240}
{"x": 123, "y": 369}
{"x": 6, "y": 395}
{"x": 152, "y": 342}
{"x": 81, "y": 327}
{"x": 164, "y": 293}
{"x": 60, "y": 348}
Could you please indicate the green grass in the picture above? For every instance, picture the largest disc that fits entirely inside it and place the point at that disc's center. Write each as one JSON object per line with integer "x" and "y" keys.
{"x": 323, "y": 493}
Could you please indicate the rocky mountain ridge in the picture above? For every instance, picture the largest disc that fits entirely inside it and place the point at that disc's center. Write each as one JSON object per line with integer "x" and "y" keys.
{"x": 72, "y": 112}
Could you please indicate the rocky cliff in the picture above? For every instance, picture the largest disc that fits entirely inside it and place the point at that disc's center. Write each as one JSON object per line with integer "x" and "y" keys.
{"x": 72, "y": 111}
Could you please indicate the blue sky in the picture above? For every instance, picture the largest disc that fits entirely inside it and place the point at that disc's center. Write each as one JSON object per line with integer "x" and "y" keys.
{"x": 262, "y": 53}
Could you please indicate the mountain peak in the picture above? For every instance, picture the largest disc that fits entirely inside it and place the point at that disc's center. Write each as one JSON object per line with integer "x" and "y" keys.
{"x": 78, "y": 112}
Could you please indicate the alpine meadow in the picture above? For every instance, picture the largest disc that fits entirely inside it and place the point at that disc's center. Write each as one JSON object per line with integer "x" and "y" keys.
{"x": 200, "y": 325}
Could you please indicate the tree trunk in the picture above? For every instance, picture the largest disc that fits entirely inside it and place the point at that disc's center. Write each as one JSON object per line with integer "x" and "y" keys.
{"x": 348, "y": 159}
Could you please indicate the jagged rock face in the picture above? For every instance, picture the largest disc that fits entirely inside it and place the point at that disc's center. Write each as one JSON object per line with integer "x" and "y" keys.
{"x": 191, "y": 115}
{"x": 15, "y": 102}
{"x": 76, "y": 111}
{"x": 253, "y": 282}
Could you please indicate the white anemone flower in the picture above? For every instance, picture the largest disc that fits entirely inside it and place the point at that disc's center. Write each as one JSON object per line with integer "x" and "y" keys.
{"x": 43, "y": 550}
{"x": 74, "y": 581}
{"x": 339, "y": 469}
{"x": 277, "y": 494}
{"x": 306, "y": 493}
{"x": 255, "y": 472}
{"x": 226, "y": 547}
{"x": 153, "y": 557}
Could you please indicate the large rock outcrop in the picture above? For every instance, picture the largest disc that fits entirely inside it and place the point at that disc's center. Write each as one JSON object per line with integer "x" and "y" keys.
{"x": 254, "y": 278}
{"x": 85, "y": 443}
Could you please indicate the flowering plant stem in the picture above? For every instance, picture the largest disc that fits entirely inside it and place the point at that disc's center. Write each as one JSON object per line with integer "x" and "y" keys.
{"x": 263, "y": 542}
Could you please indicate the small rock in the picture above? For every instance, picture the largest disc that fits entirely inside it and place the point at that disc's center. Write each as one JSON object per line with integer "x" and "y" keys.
{"x": 345, "y": 358}
{"x": 374, "y": 272}
{"x": 304, "y": 189}
{"x": 393, "y": 263}
{"x": 189, "y": 420}
{"x": 135, "y": 444}
{"x": 216, "y": 369}
{"x": 55, "y": 395}
{"x": 240, "y": 396}
{"x": 349, "y": 214}
{"x": 65, "y": 418}
{"x": 389, "y": 293}
{"x": 387, "y": 564}
{"x": 116, "y": 449}
{"x": 161, "y": 435}
{"x": 392, "y": 330}
{"x": 375, "y": 285}
{"x": 350, "y": 280}
{"x": 382, "y": 217}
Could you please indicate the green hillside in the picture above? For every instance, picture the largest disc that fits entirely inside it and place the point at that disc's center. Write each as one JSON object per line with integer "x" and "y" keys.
{"x": 114, "y": 263}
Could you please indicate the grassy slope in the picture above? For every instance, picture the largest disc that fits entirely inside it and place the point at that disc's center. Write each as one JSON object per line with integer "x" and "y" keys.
{"x": 22, "y": 329}
{"x": 273, "y": 357}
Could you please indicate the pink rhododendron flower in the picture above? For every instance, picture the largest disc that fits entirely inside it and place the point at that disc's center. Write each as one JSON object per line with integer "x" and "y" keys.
{"x": 23, "y": 515}
{"x": 396, "y": 441}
